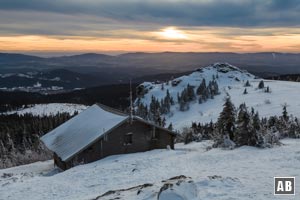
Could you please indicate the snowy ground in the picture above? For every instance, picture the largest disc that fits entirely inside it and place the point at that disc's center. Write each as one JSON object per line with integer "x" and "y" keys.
{"x": 50, "y": 109}
{"x": 267, "y": 104}
{"x": 242, "y": 173}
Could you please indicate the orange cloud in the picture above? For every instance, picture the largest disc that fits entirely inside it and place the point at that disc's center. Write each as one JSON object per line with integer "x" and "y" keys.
{"x": 168, "y": 39}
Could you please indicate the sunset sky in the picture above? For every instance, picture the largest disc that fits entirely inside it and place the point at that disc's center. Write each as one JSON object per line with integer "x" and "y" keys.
{"x": 48, "y": 26}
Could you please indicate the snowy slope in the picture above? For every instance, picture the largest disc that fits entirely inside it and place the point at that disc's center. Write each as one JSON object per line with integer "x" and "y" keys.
{"x": 243, "y": 173}
{"x": 231, "y": 82}
{"x": 50, "y": 109}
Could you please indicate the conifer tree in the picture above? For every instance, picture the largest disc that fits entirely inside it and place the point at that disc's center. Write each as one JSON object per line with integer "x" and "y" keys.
{"x": 256, "y": 121}
{"x": 244, "y": 134}
{"x": 247, "y": 84}
{"x": 226, "y": 120}
{"x": 261, "y": 84}
{"x": 190, "y": 93}
{"x": 202, "y": 87}
{"x": 170, "y": 127}
{"x": 285, "y": 113}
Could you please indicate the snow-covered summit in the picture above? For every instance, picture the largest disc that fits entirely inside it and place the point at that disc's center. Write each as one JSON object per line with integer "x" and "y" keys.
{"x": 226, "y": 67}
{"x": 224, "y": 72}
{"x": 231, "y": 81}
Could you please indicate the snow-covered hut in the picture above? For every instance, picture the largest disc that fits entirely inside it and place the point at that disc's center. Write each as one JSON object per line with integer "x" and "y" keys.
{"x": 100, "y": 131}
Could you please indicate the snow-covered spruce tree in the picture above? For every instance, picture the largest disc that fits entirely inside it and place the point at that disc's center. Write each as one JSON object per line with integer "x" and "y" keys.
{"x": 244, "y": 133}
{"x": 191, "y": 134}
{"x": 154, "y": 109}
{"x": 216, "y": 88}
{"x": 293, "y": 129}
{"x": 226, "y": 120}
{"x": 142, "y": 111}
{"x": 168, "y": 99}
{"x": 178, "y": 97}
{"x": 170, "y": 127}
{"x": 245, "y": 91}
{"x": 200, "y": 100}
{"x": 190, "y": 93}
{"x": 285, "y": 113}
{"x": 247, "y": 84}
{"x": 163, "y": 122}
{"x": 157, "y": 119}
{"x": 255, "y": 121}
{"x": 201, "y": 88}
{"x": 184, "y": 100}
{"x": 261, "y": 84}
{"x": 267, "y": 90}
{"x": 163, "y": 107}
{"x": 213, "y": 88}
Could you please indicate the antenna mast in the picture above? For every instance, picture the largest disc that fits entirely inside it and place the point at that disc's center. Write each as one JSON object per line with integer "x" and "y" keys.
{"x": 131, "y": 105}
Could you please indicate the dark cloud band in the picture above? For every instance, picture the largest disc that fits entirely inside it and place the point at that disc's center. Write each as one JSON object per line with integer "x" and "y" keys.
{"x": 232, "y": 13}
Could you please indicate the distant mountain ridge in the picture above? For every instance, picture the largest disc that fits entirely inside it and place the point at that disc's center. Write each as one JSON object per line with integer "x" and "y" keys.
{"x": 257, "y": 62}
{"x": 91, "y": 69}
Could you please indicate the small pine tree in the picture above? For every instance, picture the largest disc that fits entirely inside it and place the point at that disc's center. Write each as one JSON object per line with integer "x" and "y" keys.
{"x": 200, "y": 100}
{"x": 201, "y": 88}
{"x": 247, "y": 84}
{"x": 261, "y": 84}
{"x": 244, "y": 134}
{"x": 267, "y": 90}
{"x": 190, "y": 93}
{"x": 245, "y": 91}
{"x": 170, "y": 127}
{"x": 226, "y": 120}
{"x": 285, "y": 113}
{"x": 256, "y": 121}
{"x": 162, "y": 86}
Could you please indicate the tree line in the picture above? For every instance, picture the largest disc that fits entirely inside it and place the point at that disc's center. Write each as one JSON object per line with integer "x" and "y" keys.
{"x": 159, "y": 107}
{"x": 19, "y": 137}
{"x": 241, "y": 126}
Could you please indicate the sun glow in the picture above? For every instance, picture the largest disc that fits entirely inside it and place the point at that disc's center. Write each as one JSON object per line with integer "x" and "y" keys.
{"x": 172, "y": 33}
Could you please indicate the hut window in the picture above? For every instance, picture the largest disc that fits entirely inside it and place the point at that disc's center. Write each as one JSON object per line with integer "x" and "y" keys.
{"x": 128, "y": 139}
{"x": 90, "y": 149}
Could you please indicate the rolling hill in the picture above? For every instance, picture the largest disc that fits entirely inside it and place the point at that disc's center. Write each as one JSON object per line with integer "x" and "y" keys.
{"x": 231, "y": 82}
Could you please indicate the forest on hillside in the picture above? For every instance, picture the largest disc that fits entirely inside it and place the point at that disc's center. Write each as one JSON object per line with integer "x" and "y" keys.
{"x": 19, "y": 137}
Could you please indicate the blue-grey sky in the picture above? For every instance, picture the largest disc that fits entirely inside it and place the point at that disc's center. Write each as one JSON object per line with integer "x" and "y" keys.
{"x": 134, "y": 25}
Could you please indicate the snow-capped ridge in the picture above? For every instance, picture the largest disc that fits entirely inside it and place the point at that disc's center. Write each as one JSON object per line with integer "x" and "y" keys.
{"x": 216, "y": 70}
{"x": 224, "y": 68}
{"x": 239, "y": 84}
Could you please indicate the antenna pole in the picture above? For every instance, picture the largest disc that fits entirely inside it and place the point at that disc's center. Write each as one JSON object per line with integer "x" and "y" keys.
{"x": 131, "y": 105}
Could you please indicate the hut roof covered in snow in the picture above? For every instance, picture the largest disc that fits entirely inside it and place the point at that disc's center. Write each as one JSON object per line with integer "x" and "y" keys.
{"x": 77, "y": 133}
